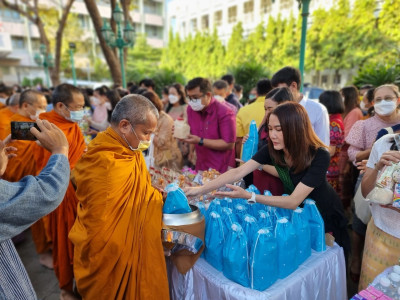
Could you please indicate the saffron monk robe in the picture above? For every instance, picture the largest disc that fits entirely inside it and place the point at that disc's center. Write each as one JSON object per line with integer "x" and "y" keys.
{"x": 31, "y": 104}
{"x": 68, "y": 103}
{"x": 117, "y": 233}
{"x": 5, "y": 115}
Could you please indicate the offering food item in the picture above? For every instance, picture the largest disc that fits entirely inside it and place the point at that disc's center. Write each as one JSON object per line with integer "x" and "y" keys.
{"x": 181, "y": 129}
{"x": 383, "y": 190}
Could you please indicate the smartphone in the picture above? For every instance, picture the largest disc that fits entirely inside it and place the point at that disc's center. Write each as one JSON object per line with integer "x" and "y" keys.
{"x": 21, "y": 131}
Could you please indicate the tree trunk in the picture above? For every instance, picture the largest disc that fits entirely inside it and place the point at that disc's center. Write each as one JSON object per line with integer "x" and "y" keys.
{"x": 110, "y": 56}
{"x": 55, "y": 71}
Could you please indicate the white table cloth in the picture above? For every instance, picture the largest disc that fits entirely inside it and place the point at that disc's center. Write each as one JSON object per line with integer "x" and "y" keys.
{"x": 321, "y": 276}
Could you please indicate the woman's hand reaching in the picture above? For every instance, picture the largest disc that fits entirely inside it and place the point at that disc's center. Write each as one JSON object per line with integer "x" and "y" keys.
{"x": 237, "y": 192}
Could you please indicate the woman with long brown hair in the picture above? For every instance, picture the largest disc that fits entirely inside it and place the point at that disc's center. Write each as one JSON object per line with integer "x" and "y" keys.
{"x": 300, "y": 159}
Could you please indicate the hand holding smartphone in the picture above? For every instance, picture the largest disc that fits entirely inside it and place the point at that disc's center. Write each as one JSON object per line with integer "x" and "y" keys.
{"x": 21, "y": 131}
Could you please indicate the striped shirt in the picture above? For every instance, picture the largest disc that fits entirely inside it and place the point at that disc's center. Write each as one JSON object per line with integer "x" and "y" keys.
{"x": 21, "y": 204}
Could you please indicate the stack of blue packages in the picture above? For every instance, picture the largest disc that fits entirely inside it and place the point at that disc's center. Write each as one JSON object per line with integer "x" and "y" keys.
{"x": 215, "y": 240}
{"x": 287, "y": 247}
{"x": 317, "y": 226}
{"x": 226, "y": 202}
{"x": 235, "y": 256}
{"x": 263, "y": 260}
{"x": 302, "y": 228}
{"x": 200, "y": 205}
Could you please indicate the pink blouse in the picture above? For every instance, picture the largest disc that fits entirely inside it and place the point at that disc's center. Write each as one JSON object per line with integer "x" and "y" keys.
{"x": 353, "y": 116}
{"x": 363, "y": 135}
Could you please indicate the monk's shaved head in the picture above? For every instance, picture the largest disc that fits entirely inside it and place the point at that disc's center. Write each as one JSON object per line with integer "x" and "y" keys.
{"x": 133, "y": 108}
{"x": 29, "y": 97}
{"x": 14, "y": 99}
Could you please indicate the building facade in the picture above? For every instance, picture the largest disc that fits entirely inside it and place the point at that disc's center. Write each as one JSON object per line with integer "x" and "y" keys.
{"x": 20, "y": 41}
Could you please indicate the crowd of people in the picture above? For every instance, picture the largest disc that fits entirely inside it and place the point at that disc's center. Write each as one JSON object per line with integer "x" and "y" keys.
{"x": 95, "y": 217}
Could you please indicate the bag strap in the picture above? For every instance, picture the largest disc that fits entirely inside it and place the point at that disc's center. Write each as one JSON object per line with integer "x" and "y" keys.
{"x": 284, "y": 176}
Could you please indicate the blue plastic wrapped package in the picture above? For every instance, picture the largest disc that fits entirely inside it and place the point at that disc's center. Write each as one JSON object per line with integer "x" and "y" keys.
{"x": 317, "y": 226}
{"x": 302, "y": 228}
{"x": 263, "y": 260}
{"x": 287, "y": 247}
{"x": 201, "y": 206}
{"x": 176, "y": 202}
{"x": 265, "y": 220}
{"x": 271, "y": 210}
{"x": 228, "y": 218}
{"x": 267, "y": 193}
{"x": 240, "y": 210}
{"x": 214, "y": 205}
{"x": 253, "y": 188}
{"x": 250, "y": 147}
{"x": 215, "y": 240}
{"x": 226, "y": 202}
{"x": 250, "y": 227}
{"x": 235, "y": 256}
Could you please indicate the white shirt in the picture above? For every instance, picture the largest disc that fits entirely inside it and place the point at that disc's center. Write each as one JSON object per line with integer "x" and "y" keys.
{"x": 385, "y": 219}
{"x": 319, "y": 119}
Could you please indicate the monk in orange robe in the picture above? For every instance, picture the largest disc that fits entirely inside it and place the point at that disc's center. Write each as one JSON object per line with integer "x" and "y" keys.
{"x": 6, "y": 114}
{"x": 31, "y": 104}
{"x": 117, "y": 233}
{"x": 68, "y": 103}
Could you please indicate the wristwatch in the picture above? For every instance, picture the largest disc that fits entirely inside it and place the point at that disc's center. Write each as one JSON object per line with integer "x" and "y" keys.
{"x": 201, "y": 143}
{"x": 252, "y": 200}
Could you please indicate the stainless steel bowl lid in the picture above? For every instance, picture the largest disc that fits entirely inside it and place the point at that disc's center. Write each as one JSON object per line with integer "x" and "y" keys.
{"x": 184, "y": 219}
{"x": 182, "y": 241}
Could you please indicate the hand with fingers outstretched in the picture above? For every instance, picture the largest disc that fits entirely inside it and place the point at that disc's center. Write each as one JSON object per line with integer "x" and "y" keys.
{"x": 51, "y": 137}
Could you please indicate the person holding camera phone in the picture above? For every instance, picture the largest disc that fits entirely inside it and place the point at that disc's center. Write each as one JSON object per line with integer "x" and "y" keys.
{"x": 31, "y": 104}
{"x": 24, "y": 202}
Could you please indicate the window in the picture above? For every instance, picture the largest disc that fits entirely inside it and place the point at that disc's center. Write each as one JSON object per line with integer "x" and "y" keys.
{"x": 205, "y": 22}
{"x": 336, "y": 79}
{"x": 218, "y": 18}
{"x": 35, "y": 44}
{"x": 18, "y": 43}
{"x": 153, "y": 31}
{"x": 83, "y": 21}
{"x": 232, "y": 14}
{"x": 286, "y": 4}
{"x": 151, "y": 7}
{"x": 324, "y": 79}
{"x": 248, "y": 7}
{"x": 193, "y": 24}
{"x": 9, "y": 15}
{"x": 265, "y": 6}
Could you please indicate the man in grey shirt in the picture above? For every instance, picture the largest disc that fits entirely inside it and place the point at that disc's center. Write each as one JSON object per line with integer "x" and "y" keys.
{"x": 24, "y": 202}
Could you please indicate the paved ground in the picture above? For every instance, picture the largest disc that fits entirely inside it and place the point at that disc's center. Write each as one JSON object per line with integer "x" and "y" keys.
{"x": 45, "y": 282}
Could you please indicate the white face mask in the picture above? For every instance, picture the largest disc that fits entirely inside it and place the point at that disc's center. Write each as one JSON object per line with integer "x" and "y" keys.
{"x": 219, "y": 98}
{"x": 362, "y": 106}
{"x": 196, "y": 104}
{"x": 36, "y": 116}
{"x": 385, "y": 107}
{"x": 172, "y": 99}
{"x": 95, "y": 101}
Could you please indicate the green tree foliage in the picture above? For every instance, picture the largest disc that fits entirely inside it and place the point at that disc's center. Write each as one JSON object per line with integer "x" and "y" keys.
{"x": 389, "y": 26}
{"x": 142, "y": 60}
{"x": 236, "y": 46}
{"x": 247, "y": 74}
{"x": 378, "y": 74}
{"x": 165, "y": 77}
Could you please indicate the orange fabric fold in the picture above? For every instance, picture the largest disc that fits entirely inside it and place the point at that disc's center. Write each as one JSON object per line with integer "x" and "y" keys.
{"x": 117, "y": 234}
{"x": 5, "y": 119}
{"x": 22, "y": 165}
{"x": 62, "y": 219}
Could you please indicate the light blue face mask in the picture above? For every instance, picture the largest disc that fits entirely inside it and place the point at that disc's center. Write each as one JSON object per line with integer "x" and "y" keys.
{"x": 75, "y": 115}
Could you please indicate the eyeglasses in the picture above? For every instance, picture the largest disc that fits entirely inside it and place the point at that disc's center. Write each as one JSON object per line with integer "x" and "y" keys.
{"x": 192, "y": 98}
{"x": 386, "y": 98}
